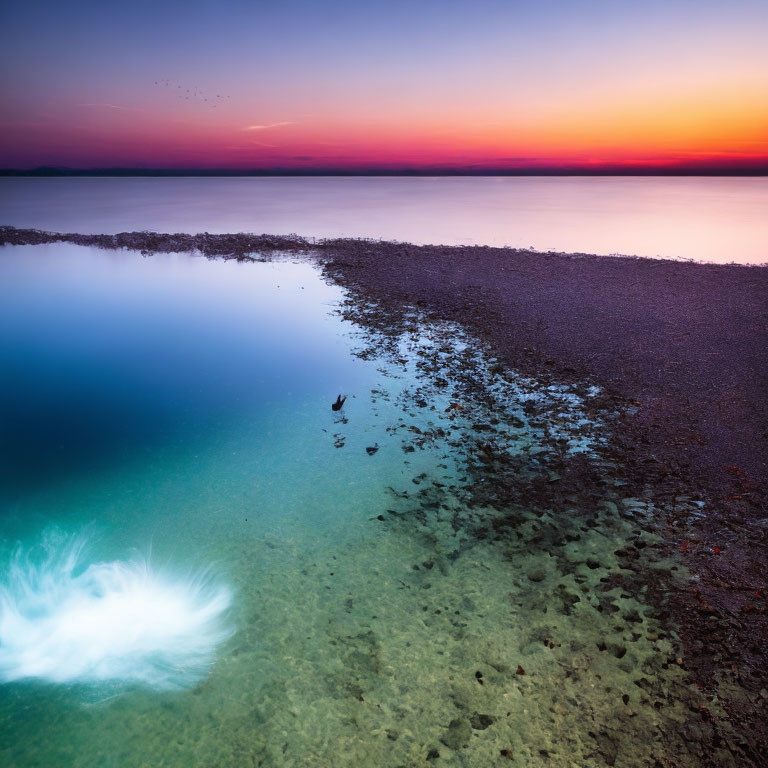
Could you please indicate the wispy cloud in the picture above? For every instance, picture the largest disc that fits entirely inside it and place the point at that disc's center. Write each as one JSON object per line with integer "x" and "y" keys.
{"x": 113, "y": 106}
{"x": 266, "y": 127}
{"x": 18, "y": 124}
{"x": 250, "y": 146}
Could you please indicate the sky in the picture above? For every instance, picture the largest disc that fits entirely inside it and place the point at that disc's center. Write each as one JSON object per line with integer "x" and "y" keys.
{"x": 437, "y": 84}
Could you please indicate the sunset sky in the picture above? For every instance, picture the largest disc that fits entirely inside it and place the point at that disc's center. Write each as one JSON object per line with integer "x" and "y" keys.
{"x": 348, "y": 85}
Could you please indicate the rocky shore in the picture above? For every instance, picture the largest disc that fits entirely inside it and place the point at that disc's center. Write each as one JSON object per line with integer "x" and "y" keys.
{"x": 681, "y": 352}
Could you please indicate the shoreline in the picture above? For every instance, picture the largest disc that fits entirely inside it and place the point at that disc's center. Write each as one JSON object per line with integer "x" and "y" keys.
{"x": 681, "y": 346}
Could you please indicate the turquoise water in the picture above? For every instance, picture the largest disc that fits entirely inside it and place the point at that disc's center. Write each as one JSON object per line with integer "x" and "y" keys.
{"x": 203, "y": 564}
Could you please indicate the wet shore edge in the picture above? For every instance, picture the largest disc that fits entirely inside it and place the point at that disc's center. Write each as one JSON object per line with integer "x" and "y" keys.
{"x": 680, "y": 347}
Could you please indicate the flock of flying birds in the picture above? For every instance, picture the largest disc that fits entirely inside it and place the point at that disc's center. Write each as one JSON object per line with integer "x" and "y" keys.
{"x": 182, "y": 92}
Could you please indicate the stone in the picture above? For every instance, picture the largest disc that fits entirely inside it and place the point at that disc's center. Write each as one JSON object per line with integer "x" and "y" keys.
{"x": 537, "y": 573}
{"x": 459, "y": 733}
{"x": 480, "y": 722}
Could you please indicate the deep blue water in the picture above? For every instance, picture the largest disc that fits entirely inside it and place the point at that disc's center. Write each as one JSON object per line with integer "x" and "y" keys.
{"x": 105, "y": 356}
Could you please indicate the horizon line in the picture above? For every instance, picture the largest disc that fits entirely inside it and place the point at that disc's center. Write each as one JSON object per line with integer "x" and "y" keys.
{"x": 544, "y": 170}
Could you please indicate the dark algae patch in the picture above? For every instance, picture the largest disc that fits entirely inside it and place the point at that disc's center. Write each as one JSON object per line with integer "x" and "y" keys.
{"x": 603, "y": 425}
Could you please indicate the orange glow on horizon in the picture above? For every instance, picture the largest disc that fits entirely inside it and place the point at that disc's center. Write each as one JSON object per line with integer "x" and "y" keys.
{"x": 714, "y": 129}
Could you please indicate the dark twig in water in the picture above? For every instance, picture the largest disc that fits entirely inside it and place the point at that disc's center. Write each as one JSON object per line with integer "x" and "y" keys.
{"x": 337, "y": 406}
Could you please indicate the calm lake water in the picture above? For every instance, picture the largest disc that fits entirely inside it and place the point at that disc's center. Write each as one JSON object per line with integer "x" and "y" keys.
{"x": 203, "y": 564}
{"x": 707, "y": 219}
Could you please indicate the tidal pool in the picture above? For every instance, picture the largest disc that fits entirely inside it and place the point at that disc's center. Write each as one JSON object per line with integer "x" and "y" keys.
{"x": 203, "y": 564}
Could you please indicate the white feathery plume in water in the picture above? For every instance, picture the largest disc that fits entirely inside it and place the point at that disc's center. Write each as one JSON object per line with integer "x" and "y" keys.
{"x": 63, "y": 621}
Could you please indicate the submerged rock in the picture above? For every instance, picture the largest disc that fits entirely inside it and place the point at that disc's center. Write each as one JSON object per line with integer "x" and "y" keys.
{"x": 459, "y": 733}
{"x": 480, "y": 722}
{"x": 537, "y": 573}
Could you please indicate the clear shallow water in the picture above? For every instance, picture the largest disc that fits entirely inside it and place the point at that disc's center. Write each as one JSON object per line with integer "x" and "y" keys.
{"x": 320, "y": 604}
{"x": 708, "y": 219}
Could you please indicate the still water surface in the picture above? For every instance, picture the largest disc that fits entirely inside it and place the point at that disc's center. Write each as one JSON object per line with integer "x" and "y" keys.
{"x": 708, "y": 219}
